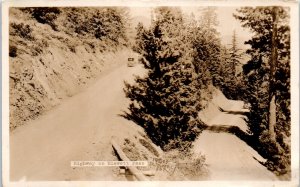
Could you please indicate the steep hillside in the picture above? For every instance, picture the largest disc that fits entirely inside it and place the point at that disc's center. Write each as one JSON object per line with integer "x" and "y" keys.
{"x": 49, "y": 63}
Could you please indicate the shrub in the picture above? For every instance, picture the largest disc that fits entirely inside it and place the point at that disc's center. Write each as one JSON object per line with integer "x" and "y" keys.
{"x": 12, "y": 51}
{"x": 106, "y": 24}
{"x": 22, "y": 30}
{"x": 36, "y": 50}
{"x": 147, "y": 145}
{"x": 192, "y": 166}
{"x": 45, "y": 15}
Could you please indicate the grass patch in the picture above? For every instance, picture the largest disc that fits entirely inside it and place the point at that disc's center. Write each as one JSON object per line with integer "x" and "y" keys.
{"x": 147, "y": 145}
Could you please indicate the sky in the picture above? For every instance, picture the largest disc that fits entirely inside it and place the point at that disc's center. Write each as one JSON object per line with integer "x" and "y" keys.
{"x": 227, "y": 23}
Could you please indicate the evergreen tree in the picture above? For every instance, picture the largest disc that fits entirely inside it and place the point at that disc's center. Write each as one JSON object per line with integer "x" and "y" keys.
{"x": 207, "y": 45}
{"x": 166, "y": 102}
{"x": 235, "y": 54}
{"x": 268, "y": 76}
{"x": 139, "y": 38}
{"x": 231, "y": 84}
{"x": 108, "y": 24}
{"x": 209, "y": 19}
{"x": 224, "y": 81}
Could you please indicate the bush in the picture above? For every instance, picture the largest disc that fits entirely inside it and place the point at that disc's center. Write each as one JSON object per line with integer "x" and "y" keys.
{"x": 191, "y": 166}
{"x": 45, "y": 15}
{"x": 22, "y": 30}
{"x": 106, "y": 24}
{"x": 12, "y": 51}
{"x": 36, "y": 50}
{"x": 147, "y": 145}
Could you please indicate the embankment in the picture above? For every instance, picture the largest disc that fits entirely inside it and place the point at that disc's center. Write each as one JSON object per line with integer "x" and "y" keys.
{"x": 47, "y": 65}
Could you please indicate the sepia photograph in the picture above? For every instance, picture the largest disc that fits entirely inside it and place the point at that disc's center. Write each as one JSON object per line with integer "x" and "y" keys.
{"x": 155, "y": 92}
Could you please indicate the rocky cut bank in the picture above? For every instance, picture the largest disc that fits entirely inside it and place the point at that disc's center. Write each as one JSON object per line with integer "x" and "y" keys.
{"x": 54, "y": 52}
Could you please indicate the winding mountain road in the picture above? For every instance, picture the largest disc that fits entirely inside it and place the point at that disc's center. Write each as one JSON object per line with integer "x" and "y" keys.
{"x": 82, "y": 127}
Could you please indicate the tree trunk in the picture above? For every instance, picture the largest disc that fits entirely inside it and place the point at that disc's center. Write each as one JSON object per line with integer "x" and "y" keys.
{"x": 273, "y": 64}
{"x": 272, "y": 119}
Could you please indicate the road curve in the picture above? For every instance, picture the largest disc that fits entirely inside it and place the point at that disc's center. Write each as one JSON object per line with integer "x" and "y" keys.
{"x": 227, "y": 156}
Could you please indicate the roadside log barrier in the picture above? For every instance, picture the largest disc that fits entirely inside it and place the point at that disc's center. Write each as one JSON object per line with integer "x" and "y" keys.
{"x": 137, "y": 173}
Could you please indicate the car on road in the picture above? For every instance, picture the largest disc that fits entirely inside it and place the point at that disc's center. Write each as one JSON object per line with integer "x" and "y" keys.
{"x": 133, "y": 59}
{"x": 131, "y": 62}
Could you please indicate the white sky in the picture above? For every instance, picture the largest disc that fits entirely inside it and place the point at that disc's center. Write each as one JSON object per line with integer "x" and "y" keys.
{"x": 227, "y": 23}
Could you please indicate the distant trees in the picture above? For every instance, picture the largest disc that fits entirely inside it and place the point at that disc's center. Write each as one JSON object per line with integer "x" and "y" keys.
{"x": 105, "y": 23}
{"x": 267, "y": 76}
{"x": 184, "y": 56}
{"x": 108, "y": 24}
{"x": 207, "y": 44}
{"x": 235, "y": 54}
{"x": 218, "y": 62}
{"x": 166, "y": 102}
{"x": 209, "y": 19}
{"x": 45, "y": 15}
{"x": 231, "y": 57}
{"x": 137, "y": 47}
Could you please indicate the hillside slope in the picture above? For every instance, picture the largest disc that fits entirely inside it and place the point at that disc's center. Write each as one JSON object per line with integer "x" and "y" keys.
{"x": 48, "y": 65}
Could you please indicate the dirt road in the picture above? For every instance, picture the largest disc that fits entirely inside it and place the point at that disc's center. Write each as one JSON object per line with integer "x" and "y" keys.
{"x": 228, "y": 157}
{"x": 80, "y": 128}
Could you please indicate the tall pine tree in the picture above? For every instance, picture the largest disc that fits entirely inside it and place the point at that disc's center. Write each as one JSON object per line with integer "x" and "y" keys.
{"x": 166, "y": 102}
{"x": 207, "y": 45}
{"x": 268, "y": 74}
